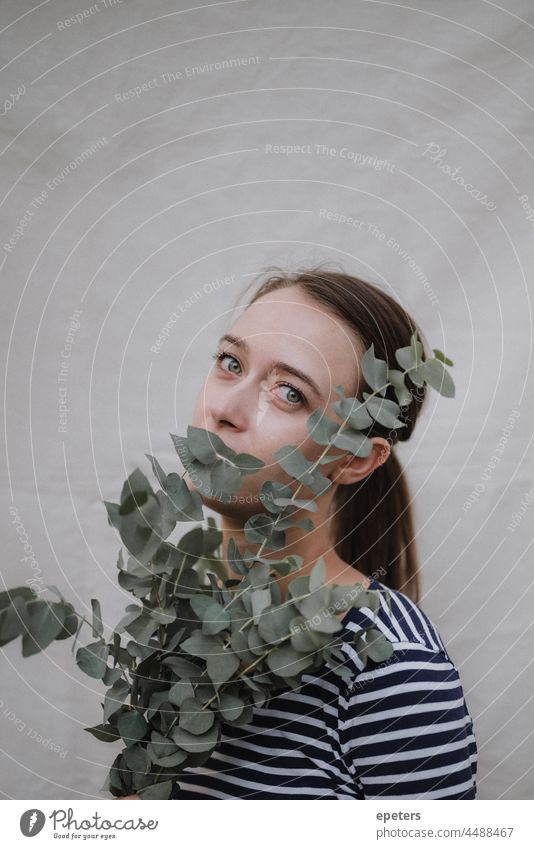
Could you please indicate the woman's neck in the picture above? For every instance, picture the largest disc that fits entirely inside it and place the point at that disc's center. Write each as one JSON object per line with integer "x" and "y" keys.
{"x": 310, "y": 545}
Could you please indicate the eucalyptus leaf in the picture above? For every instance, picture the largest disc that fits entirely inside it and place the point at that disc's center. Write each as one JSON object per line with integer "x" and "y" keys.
{"x": 404, "y": 396}
{"x": 234, "y": 558}
{"x": 225, "y": 478}
{"x": 158, "y": 471}
{"x": 200, "y": 603}
{"x": 354, "y": 413}
{"x": 354, "y": 442}
{"x": 98, "y": 629}
{"x": 136, "y": 492}
{"x": 192, "y": 545}
{"x": 160, "y": 790}
{"x": 193, "y": 718}
{"x": 178, "y": 757}
{"x": 114, "y": 518}
{"x": 182, "y": 666}
{"x": 13, "y": 620}
{"x": 276, "y": 496}
{"x": 384, "y": 411}
{"x": 260, "y": 528}
{"x": 248, "y": 464}
{"x": 104, "y": 733}
{"x": 325, "y": 622}
{"x": 206, "y": 446}
{"x": 260, "y": 600}
{"x": 374, "y": 370}
{"x": 317, "y": 575}
{"x": 180, "y": 692}
{"x": 202, "y": 645}
{"x": 439, "y": 378}
{"x": 8, "y": 596}
{"x": 417, "y": 375}
{"x": 441, "y": 356}
{"x": 294, "y": 462}
{"x": 321, "y": 428}
{"x": 230, "y": 707}
{"x": 136, "y": 758}
{"x": 222, "y": 666}
{"x": 378, "y": 647}
{"x": 132, "y": 727}
{"x": 70, "y": 627}
{"x": 186, "y": 504}
{"x": 196, "y": 742}
{"x": 239, "y": 645}
{"x": 274, "y": 624}
{"x": 115, "y": 697}
{"x": 410, "y": 356}
{"x": 286, "y": 661}
{"x": 302, "y": 638}
{"x": 160, "y": 746}
{"x": 44, "y": 622}
{"x": 216, "y": 619}
{"x": 142, "y": 628}
{"x": 92, "y": 658}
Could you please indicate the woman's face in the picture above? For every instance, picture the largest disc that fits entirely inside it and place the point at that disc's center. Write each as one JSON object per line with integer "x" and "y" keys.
{"x": 253, "y": 400}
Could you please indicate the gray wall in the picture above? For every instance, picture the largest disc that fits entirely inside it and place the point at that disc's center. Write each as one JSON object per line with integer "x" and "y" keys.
{"x": 128, "y": 207}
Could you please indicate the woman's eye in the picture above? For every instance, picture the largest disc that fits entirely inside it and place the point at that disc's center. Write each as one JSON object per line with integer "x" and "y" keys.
{"x": 294, "y": 396}
{"x": 220, "y": 356}
{"x": 293, "y": 392}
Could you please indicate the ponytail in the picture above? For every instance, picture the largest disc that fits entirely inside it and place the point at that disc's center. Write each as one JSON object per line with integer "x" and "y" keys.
{"x": 373, "y": 525}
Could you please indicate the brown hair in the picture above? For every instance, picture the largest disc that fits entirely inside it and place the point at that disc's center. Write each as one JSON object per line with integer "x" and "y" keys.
{"x": 372, "y": 519}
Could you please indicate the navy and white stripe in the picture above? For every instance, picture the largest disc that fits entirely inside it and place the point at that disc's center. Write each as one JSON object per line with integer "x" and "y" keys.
{"x": 399, "y": 729}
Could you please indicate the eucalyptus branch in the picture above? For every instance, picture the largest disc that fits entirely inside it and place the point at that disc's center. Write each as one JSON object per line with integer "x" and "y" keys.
{"x": 192, "y": 644}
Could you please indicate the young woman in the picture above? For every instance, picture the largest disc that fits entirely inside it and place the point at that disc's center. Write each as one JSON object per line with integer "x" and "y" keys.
{"x": 399, "y": 729}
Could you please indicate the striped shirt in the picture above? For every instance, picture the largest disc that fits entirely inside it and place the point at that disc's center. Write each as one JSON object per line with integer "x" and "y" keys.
{"x": 396, "y": 729}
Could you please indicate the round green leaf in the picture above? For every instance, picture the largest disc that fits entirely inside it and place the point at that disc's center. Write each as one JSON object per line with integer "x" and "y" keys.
{"x": 202, "y": 645}
{"x": 180, "y": 691}
{"x": 285, "y": 661}
{"x": 410, "y": 356}
{"x": 160, "y": 790}
{"x": 374, "y": 370}
{"x": 92, "y": 658}
{"x": 321, "y": 428}
{"x": 274, "y": 623}
{"x": 435, "y": 373}
{"x": 193, "y": 718}
{"x": 132, "y": 727}
{"x": 396, "y": 378}
{"x": 44, "y": 622}
{"x": 441, "y": 356}
{"x": 222, "y": 666}
{"x": 384, "y": 411}
{"x": 115, "y": 697}
{"x": 231, "y": 707}
{"x": 196, "y": 742}
{"x": 215, "y": 619}
{"x": 354, "y": 442}
{"x": 378, "y": 646}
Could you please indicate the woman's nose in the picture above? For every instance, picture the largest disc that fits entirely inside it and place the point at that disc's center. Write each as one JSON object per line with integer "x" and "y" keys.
{"x": 230, "y": 408}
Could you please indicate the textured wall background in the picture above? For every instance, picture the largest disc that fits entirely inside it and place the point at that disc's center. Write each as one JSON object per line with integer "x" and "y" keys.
{"x": 150, "y": 167}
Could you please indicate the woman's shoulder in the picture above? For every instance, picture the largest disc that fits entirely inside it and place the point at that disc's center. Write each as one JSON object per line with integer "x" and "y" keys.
{"x": 405, "y": 728}
{"x": 412, "y": 633}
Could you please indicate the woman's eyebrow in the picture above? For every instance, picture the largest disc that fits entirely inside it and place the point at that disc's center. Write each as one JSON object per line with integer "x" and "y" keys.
{"x": 275, "y": 364}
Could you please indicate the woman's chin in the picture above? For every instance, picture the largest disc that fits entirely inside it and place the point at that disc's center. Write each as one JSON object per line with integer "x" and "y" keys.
{"x": 237, "y": 506}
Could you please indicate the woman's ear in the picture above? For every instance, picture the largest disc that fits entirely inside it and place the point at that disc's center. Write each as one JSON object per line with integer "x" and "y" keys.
{"x": 355, "y": 468}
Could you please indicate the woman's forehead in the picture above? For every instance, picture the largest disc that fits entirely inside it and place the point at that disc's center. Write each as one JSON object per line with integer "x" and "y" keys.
{"x": 284, "y": 325}
{"x": 292, "y": 312}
